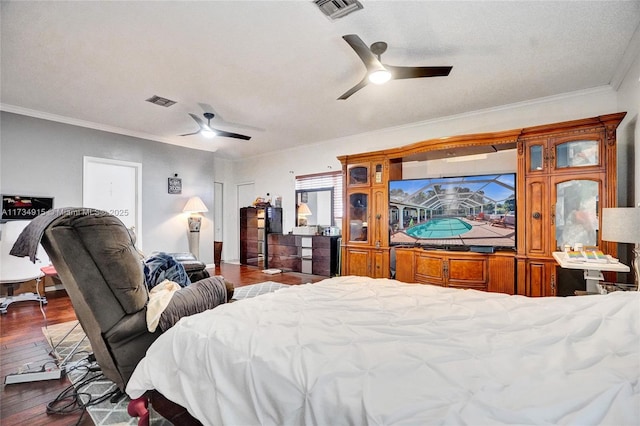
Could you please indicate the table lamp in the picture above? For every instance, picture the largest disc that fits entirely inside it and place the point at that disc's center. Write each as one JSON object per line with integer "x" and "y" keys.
{"x": 303, "y": 212}
{"x": 622, "y": 225}
{"x": 194, "y": 206}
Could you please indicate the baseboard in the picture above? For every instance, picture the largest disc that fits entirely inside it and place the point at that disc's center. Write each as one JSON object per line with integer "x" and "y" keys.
{"x": 54, "y": 287}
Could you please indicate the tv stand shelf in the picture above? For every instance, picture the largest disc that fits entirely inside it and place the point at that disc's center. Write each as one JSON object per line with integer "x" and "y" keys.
{"x": 480, "y": 271}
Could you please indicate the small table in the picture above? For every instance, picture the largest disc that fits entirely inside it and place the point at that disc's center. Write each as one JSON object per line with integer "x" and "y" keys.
{"x": 15, "y": 271}
{"x": 592, "y": 270}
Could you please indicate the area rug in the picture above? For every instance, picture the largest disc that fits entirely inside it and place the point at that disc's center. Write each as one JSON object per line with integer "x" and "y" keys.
{"x": 107, "y": 413}
{"x": 253, "y": 290}
{"x": 104, "y": 413}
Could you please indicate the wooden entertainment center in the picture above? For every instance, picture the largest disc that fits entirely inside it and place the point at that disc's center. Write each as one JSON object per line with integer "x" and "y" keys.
{"x": 560, "y": 167}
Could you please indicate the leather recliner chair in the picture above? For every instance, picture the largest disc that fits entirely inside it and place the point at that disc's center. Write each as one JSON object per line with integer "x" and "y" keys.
{"x": 96, "y": 260}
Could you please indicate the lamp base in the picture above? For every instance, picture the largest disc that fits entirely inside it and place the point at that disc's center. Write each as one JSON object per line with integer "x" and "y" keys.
{"x": 194, "y": 243}
{"x": 194, "y": 223}
{"x": 194, "y": 235}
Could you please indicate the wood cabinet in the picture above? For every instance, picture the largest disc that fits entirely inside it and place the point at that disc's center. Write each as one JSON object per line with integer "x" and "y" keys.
{"x": 317, "y": 254}
{"x": 569, "y": 175}
{"x": 324, "y": 255}
{"x": 255, "y": 225}
{"x": 565, "y": 176}
{"x": 365, "y": 244}
{"x": 284, "y": 252}
{"x": 479, "y": 271}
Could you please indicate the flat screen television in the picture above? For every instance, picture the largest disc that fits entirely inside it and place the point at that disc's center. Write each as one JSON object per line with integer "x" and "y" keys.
{"x": 24, "y": 207}
{"x": 454, "y": 213}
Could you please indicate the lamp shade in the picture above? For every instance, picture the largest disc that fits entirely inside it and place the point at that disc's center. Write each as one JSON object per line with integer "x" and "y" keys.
{"x": 621, "y": 225}
{"x": 195, "y": 205}
{"x": 304, "y": 210}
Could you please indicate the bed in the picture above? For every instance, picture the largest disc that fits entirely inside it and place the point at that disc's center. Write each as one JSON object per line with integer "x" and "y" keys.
{"x": 356, "y": 350}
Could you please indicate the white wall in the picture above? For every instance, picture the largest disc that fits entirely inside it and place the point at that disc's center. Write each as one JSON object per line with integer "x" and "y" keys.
{"x": 45, "y": 158}
{"x": 275, "y": 173}
{"x": 628, "y": 97}
{"x": 496, "y": 162}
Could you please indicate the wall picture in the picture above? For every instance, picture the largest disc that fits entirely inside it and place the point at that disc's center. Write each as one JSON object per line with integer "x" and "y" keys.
{"x": 175, "y": 185}
{"x": 24, "y": 207}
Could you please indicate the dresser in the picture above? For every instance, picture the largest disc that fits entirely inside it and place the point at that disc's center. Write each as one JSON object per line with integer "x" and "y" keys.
{"x": 255, "y": 225}
{"x": 310, "y": 254}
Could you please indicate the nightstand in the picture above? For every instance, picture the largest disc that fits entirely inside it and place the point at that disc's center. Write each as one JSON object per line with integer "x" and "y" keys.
{"x": 592, "y": 271}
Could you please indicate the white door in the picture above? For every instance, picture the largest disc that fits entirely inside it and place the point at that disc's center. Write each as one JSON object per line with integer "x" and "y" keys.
{"x": 218, "y": 208}
{"x": 115, "y": 187}
{"x": 246, "y": 195}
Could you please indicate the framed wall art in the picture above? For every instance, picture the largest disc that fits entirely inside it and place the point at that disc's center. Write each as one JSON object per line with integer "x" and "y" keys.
{"x": 175, "y": 185}
{"x": 24, "y": 207}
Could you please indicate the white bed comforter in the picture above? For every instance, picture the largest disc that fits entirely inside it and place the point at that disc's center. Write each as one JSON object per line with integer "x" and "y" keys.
{"x": 354, "y": 350}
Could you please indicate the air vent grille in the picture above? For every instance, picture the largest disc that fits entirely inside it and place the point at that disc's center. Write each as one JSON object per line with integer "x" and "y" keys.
{"x": 335, "y": 9}
{"x": 163, "y": 102}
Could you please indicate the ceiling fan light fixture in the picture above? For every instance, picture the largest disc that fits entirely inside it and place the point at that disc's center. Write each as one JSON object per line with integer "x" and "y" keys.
{"x": 379, "y": 76}
{"x": 208, "y": 133}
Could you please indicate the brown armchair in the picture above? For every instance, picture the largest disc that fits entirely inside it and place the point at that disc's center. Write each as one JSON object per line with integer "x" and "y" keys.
{"x": 96, "y": 260}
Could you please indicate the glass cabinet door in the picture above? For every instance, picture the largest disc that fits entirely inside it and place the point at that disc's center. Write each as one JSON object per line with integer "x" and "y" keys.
{"x": 377, "y": 177}
{"x": 358, "y": 213}
{"x": 576, "y": 212}
{"x": 580, "y": 153}
{"x": 536, "y": 158}
{"x": 358, "y": 175}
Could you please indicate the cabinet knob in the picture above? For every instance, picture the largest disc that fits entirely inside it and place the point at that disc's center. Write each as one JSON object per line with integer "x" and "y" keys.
{"x": 536, "y": 215}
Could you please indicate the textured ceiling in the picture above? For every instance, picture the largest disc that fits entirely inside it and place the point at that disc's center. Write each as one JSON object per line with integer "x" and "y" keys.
{"x": 274, "y": 69}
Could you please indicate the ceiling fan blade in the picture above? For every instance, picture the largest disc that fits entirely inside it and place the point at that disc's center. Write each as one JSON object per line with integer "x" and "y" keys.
{"x": 231, "y": 135}
{"x": 363, "y": 51}
{"x": 199, "y": 121}
{"x": 399, "y": 73}
{"x": 355, "y": 88}
{"x": 189, "y": 134}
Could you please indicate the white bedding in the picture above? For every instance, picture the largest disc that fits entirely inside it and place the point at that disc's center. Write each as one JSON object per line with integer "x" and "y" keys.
{"x": 354, "y": 350}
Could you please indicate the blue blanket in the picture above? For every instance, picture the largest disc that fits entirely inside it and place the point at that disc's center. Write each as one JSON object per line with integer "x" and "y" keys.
{"x": 162, "y": 266}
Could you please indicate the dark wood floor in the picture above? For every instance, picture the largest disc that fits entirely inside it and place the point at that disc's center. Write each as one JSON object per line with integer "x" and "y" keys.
{"x": 22, "y": 341}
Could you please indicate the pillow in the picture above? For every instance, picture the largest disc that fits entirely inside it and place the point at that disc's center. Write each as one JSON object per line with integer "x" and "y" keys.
{"x": 195, "y": 298}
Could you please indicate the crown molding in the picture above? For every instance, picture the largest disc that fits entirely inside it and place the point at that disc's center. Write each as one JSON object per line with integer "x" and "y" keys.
{"x": 630, "y": 54}
{"x": 92, "y": 125}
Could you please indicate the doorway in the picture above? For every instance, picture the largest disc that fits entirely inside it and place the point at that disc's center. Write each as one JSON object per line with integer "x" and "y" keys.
{"x": 114, "y": 186}
{"x": 218, "y": 226}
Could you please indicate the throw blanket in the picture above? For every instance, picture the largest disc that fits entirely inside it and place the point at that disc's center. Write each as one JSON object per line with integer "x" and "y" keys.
{"x": 161, "y": 267}
{"x": 159, "y": 298}
{"x": 27, "y": 242}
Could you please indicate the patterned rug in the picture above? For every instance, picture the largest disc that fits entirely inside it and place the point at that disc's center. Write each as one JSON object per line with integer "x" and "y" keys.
{"x": 253, "y": 290}
{"x": 75, "y": 347}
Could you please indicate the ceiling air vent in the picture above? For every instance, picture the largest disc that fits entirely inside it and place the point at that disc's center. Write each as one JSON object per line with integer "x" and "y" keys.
{"x": 335, "y": 9}
{"x": 164, "y": 102}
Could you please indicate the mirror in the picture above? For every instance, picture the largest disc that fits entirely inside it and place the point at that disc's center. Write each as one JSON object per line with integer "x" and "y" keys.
{"x": 314, "y": 207}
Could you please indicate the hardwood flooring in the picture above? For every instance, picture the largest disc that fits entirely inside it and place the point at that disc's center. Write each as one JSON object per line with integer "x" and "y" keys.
{"x": 22, "y": 341}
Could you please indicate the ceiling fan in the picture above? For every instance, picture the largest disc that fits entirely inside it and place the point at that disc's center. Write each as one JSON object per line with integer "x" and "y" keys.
{"x": 209, "y": 132}
{"x": 379, "y": 73}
